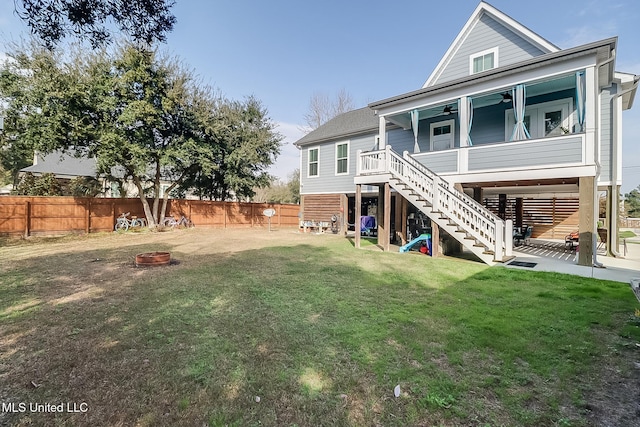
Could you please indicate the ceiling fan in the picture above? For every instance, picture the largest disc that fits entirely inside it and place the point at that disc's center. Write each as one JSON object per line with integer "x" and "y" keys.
{"x": 506, "y": 97}
{"x": 448, "y": 110}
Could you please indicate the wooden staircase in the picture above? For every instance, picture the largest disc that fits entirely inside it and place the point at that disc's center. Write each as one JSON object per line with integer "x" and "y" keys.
{"x": 467, "y": 221}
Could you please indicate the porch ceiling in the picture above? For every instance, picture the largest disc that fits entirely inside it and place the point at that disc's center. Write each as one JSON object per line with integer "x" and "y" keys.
{"x": 565, "y": 187}
{"x": 556, "y": 84}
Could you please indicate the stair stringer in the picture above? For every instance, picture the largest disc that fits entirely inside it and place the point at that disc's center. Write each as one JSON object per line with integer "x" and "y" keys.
{"x": 443, "y": 221}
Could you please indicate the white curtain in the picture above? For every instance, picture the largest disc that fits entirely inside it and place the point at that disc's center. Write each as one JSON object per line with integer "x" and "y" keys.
{"x": 470, "y": 115}
{"x": 581, "y": 89}
{"x": 519, "y": 130}
{"x": 415, "y": 119}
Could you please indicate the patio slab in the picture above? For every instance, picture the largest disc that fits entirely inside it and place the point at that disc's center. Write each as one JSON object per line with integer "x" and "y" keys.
{"x": 553, "y": 256}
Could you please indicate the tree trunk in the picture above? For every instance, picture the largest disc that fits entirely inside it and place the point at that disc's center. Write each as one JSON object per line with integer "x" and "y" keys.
{"x": 145, "y": 204}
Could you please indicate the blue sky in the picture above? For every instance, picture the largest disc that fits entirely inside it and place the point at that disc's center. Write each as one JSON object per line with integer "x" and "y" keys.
{"x": 284, "y": 51}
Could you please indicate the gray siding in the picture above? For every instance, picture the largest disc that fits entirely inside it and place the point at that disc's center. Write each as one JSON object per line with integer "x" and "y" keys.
{"x": 401, "y": 140}
{"x": 440, "y": 162}
{"x": 327, "y": 181}
{"x": 487, "y": 34}
{"x": 539, "y": 153}
{"x": 606, "y": 133}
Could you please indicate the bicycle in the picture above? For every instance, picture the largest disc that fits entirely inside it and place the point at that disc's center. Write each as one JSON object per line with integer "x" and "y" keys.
{"x": 183, "y": 221}
{"x": 123, "y": 223}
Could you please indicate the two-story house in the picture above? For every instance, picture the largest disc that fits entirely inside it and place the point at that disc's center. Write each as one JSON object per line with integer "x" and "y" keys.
{"x": 506, "y": 121}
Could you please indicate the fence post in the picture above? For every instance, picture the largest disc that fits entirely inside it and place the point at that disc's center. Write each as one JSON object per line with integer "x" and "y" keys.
{"x": 224, "y": 209}
{"x": 253, "y": 214}
{"x": 27, "y": 219}
{"x": 87, "y": 216}
{"x": 280, "y": 215}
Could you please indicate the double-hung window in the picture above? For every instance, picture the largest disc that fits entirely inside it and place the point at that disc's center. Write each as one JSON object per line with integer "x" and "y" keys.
{"x": 342, "y": 158}
{"x": 314, "y": 162}
{"x": 483, "y": 61}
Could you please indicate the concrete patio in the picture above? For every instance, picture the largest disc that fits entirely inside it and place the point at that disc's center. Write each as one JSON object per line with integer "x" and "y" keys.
{"x": 552, "y": 255}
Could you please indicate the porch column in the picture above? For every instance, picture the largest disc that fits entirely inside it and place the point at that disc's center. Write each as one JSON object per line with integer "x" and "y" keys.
{"x": 586, "y": 220}
{"x": 519, "y": 212}
{"x": 387, "y": 217}
{"x": 477, "y": 194}
{"x": 398, "y": 219}
{"x": 590, "y": 116}
{"x": 358, "y": 213}
{"x": 502, "y": 206}
{"x": 403, "y": 217}
{"x": 382, "y": 133}
{"x": 344, "y": 211}
{"x": 435, "y": 240}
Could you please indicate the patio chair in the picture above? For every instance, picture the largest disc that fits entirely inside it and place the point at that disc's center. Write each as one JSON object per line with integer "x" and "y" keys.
{"x": 524, "y": 235}
{"x": 571, "y": 240}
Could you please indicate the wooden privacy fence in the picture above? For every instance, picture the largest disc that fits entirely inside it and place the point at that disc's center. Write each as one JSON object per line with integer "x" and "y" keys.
{"x": 29, "y": 216}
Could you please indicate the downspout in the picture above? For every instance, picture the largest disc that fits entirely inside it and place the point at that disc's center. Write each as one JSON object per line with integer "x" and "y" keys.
{"x": 596, "y": 204}
{"x": 614, "y": 177}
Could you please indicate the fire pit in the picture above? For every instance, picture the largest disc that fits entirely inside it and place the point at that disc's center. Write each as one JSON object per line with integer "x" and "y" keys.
{"x": 153, "y": 259}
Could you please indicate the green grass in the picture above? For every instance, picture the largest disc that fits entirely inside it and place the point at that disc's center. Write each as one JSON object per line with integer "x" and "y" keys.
{"x": 626, "y": 234}
{"x": 321, "y": 333}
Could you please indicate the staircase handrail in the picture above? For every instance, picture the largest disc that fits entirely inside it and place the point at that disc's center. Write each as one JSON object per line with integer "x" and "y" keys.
{"x": 471, "y": 202}
{"x": 476, "y": 220}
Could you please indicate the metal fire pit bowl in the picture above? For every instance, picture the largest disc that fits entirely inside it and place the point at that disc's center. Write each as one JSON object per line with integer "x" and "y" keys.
{"x": 153, "y": 259}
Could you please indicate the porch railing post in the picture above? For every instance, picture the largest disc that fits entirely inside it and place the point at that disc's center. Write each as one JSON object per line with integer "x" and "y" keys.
{"x": 436, "y": 194}
{"x": 508, "y": 237}
{"x": 499, "y": 241}
{"x": 358, "y": 160}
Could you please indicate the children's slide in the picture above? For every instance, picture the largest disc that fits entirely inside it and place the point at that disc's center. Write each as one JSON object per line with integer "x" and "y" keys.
{"x": 421, "y": 238}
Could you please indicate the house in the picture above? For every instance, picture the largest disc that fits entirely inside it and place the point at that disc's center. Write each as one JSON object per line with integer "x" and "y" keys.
{"x": 508, "y": 130}
{"x": 66, "y": 166}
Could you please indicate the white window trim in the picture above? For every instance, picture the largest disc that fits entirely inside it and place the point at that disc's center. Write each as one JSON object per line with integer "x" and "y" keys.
{"x": 536, "y": 112}
{"x": 309, "y": 162}
{"x": 336, "y": 158}
{"x": 473, "y": 56}
{"x": 433, "y": 125}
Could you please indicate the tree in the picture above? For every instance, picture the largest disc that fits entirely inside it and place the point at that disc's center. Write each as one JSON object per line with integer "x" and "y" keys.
{"x": 280, "y": 192}
{"x": 145, "y": 119}
{"x": 246, "y": 144}
{"x": 322, "y": 108}
{"x": 43, "y": 185}
{"x": 632, "y": 202}
{"x": 144, "y": 21}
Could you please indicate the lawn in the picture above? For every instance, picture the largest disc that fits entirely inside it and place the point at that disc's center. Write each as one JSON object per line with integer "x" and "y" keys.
{"x": 281, "y": 329}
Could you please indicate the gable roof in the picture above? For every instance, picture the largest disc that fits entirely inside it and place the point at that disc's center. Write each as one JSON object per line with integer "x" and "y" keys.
{"x": 351, "y": 123}
{"x": 63, "y": 165}
{"x": 481, "y": 10}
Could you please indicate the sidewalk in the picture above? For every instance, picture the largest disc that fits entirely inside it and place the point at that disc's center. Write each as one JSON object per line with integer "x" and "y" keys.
{"x": 561, "y": 261}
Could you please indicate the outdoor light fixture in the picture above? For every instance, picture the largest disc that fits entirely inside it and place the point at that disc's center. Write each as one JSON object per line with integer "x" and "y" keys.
{"x": 447, "y": 110}
{"x": 507, "y": 97}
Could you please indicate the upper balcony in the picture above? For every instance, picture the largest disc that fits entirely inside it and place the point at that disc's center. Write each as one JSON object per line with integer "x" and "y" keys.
{"x": 527, "y": 131}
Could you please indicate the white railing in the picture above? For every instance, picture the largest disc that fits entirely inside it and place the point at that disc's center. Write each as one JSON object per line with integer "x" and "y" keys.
{"x": 371, "y": 162}
{"x": 462, "y": 210}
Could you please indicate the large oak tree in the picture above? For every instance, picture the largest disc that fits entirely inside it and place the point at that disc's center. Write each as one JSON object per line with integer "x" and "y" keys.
{"x": 145, "y": 119}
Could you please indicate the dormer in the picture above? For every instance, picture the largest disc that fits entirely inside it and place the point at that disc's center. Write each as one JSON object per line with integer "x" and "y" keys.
{"x": 490, "y": 39}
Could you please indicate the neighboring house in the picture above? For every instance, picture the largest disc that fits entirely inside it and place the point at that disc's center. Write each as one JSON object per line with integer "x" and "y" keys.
{"x": 66, "y": 167}
{"x": 507, "y": 120}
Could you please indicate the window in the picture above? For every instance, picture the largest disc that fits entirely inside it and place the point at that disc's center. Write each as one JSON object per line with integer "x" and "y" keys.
{"x": 342, "y": 158}
{"x": 483, "y": 61}
{"x": 313, "y": 169}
